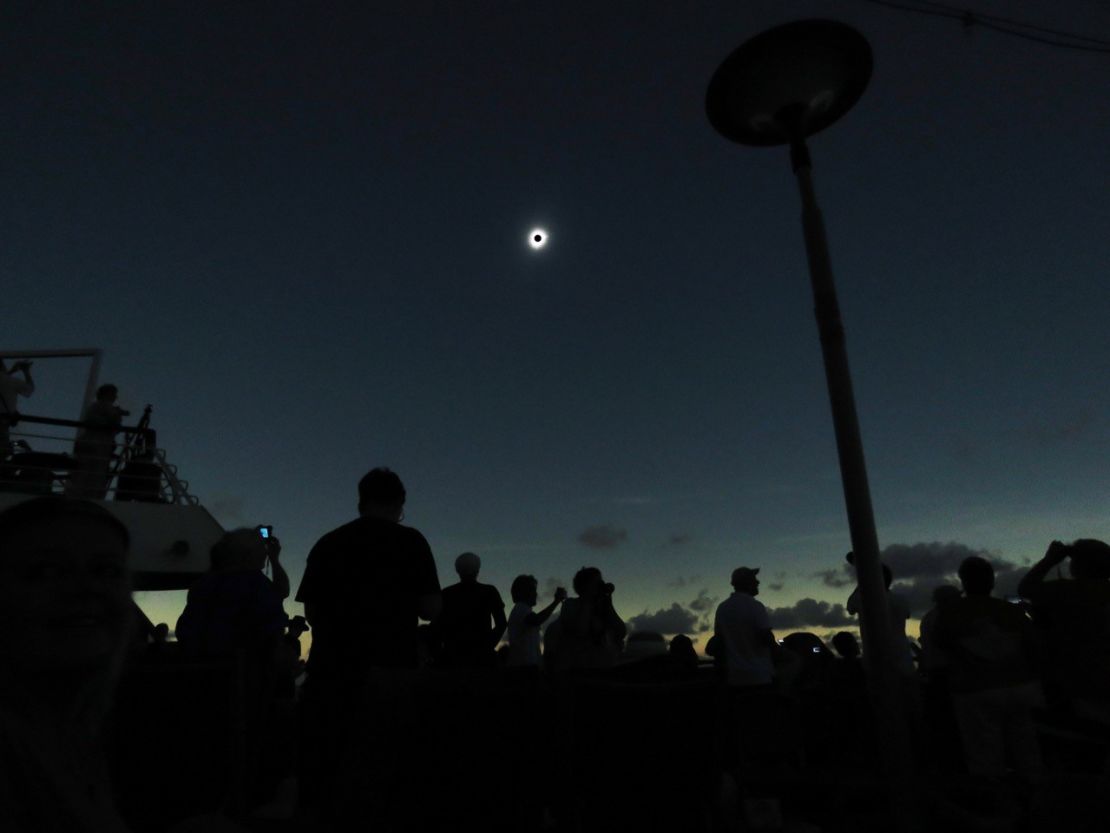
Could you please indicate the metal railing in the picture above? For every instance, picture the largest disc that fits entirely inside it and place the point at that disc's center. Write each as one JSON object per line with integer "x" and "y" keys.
{"x": 133, "y": 468}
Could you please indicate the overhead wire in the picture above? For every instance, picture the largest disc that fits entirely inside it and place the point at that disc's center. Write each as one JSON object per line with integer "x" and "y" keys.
{"x": 1006, "y": 26}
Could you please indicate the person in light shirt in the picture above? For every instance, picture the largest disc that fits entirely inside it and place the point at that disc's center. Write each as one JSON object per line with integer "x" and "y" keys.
{"x": 743, "y": 629}
{"x": 525, "y": 622}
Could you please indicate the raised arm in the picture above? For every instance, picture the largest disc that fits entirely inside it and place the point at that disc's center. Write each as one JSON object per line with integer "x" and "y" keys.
{"x": 537, "y": 618}
{"x": 280, "y": 578}
{"x": 1032, "y": 581}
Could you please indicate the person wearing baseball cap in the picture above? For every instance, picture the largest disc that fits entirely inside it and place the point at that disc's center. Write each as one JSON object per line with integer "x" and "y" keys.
{"x": 743, "y": 629}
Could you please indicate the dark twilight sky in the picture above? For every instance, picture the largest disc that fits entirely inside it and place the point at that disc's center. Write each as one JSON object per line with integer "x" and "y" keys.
{"x": 298, "y": 229}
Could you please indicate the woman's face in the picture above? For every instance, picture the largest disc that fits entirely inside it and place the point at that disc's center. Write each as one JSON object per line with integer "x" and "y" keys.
{"x": 65, "y": 595}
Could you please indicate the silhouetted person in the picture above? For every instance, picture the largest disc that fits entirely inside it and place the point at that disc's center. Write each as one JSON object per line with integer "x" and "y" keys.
{"x": 234, "y": 613}
{"x": 846, "y": 645}
{"x": 1075, "y": 618}
{"x": 942, "y": 738}
{"x": 752, "y": 730}
{"x": 681, "y": 649}
{"x": 933, "y": 660}
{"x": 235, "y": 609}
{"x": 814, "y": 662}
{"x": 525, "y": 622}
{"x": 994, "y": 690}
{"x": 365, "y": 586}
{"x": 11, "y": 388}
{"x": 473, "y": 618}
{"x": 590, "y": 633}
{"x": 899, "y": 613}
{"x": 66, "y": 615}
{"x": 95, "y": 444}
{"x": 744, "y": 630}
{"x": 847, "y": 673}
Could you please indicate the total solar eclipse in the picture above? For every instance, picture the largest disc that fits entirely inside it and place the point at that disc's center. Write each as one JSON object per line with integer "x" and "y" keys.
{"x": 537, "y": 238}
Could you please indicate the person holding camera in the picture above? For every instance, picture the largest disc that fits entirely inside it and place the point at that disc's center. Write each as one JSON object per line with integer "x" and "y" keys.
{"x": 94, "y": 447}
{"x": 235, "y": 609}
{"x": 591, "y": 633}
{"x": 1074, "y": 617}
{"x": 525, "y": 622}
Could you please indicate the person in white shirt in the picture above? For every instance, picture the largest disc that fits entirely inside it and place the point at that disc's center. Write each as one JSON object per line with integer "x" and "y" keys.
{"x": 11, "y": 388}
{"x": 743, "y": 629}
{"x": 746, "y": 643}
{"x": 524, "y": 622}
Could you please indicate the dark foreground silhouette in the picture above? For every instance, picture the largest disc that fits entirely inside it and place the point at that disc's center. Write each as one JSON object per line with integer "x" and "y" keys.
{"x": 210, "y": 733}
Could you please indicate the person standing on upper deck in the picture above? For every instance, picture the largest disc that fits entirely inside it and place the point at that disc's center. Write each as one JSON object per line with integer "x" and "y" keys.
{"x": 94, "y": 446}
{"x": 11, "y": 388}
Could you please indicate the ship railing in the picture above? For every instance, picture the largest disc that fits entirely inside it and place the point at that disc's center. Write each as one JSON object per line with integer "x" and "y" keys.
{"x": 43, "y": 459}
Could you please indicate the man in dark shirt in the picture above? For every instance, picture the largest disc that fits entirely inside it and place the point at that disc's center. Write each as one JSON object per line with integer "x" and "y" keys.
{"x": 1074, "y": 616}
{"x": 991, "y": 678}
{"x": 464, "y": 626}
{"x": 365, "y": 585}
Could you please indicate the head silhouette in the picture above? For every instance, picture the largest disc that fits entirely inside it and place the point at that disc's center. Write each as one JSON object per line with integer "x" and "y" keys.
{"x": 381, "y": 495}
{"x": 746, "y": 580}
{"x": 587, "y": 581}
{"x": 107, "y": 393}
{"x": 467, "y": 566}
{"x": 977, "y": 576}
{"x": 846, "y": 644}
{"x": 525, "y": 590}
{"x": 944, "y": 594}
{"x": 239, "y": 549}
{"x": 1090, "y": 560}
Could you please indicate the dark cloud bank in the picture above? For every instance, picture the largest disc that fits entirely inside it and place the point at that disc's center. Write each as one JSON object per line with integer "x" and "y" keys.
{"x": 602, "y": 537}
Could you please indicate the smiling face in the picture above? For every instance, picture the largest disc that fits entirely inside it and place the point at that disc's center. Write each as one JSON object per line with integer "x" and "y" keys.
{"x": 65, "y": 595}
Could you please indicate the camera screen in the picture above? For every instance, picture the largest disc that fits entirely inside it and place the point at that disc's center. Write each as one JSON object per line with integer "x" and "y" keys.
{"x": 264, "y": 531}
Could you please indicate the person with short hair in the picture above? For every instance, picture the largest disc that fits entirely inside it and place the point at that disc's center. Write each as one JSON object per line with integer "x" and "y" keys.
{"x": 67, "y": 615}
{"x": 235, "y": 609}
{"x": 525, "y": 622}
{"x": 1074, "y": 616}
{"x": 743, "y": 629}
{"x": 366, "y": 585}
{"x": 994, "y": 689}
{"x": 590, "y": 633}
{"x": 468, "y": 639}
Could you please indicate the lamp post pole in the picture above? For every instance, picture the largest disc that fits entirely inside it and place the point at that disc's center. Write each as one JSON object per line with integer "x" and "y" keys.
{"x": 778, "y": 88}
{"x": 875, "y": 621}
{"x": 874, "y": 616}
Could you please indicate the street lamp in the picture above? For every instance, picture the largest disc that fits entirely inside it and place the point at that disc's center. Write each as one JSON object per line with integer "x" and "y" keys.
{"x": 779, "y": 88}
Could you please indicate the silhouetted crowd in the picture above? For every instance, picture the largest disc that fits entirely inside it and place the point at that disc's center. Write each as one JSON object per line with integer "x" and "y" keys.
{"x": 545, "y": 718}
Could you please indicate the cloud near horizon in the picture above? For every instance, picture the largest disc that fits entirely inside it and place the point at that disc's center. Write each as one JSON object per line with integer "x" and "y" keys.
{"x": 809, "y": 613}
{"x": 602, "y": 537}
{"x": 669, "y": 620}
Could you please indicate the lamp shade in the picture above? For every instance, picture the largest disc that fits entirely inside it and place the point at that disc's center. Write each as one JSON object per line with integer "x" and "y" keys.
{"x": 789, "y": 82}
